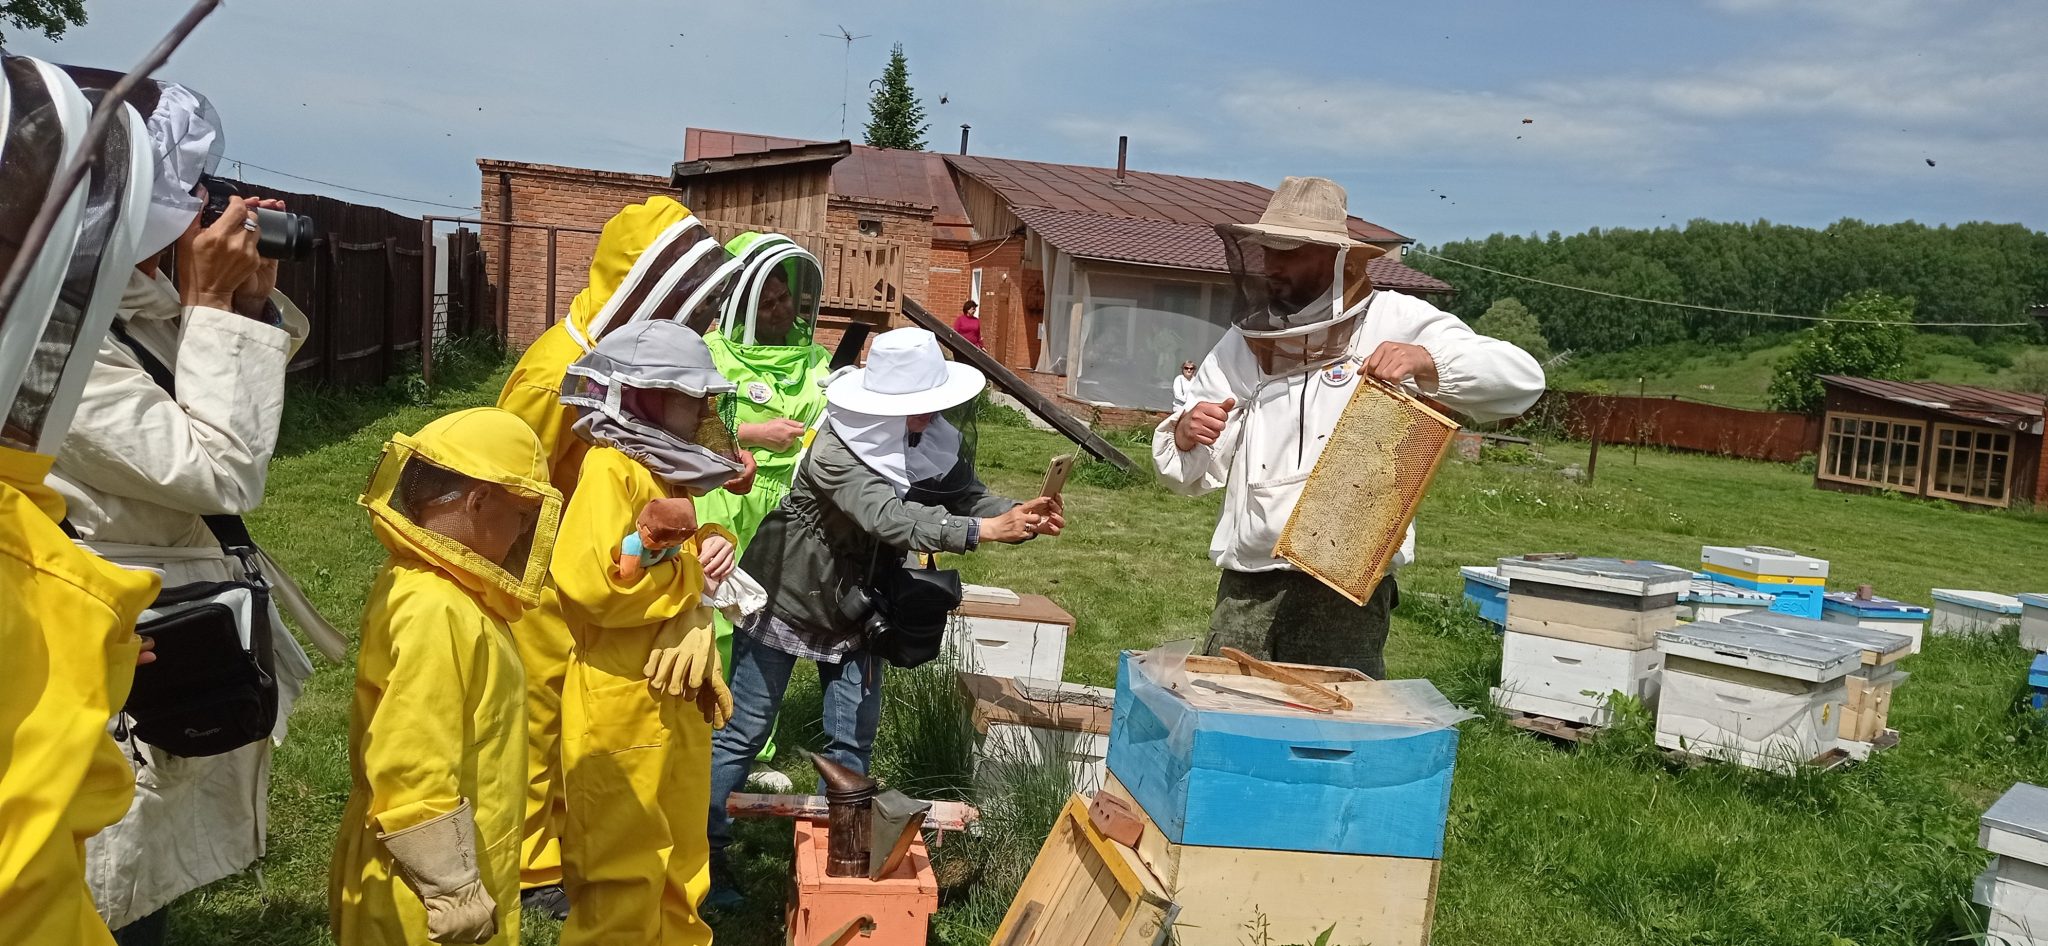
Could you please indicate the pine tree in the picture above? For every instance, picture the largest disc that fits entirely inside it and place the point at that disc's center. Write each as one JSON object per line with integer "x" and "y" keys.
{"x": 895, "y": 116}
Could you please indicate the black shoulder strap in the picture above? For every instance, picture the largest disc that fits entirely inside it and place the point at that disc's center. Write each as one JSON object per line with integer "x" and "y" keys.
{"x": 230, "y": 531}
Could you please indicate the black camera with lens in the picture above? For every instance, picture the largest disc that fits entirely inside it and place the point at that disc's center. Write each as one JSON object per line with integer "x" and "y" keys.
{"x": 280, "y": 235}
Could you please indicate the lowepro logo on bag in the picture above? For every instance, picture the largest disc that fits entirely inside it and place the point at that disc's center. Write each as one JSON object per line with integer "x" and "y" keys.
{"x": 200, "y": 733}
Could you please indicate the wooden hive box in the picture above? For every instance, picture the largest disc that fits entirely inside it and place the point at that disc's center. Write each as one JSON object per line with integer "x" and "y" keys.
{"x": 1086, "y": 890}
{"x": 1025, "y": 639}
{"x": 1755, "y": 696}
{"x": 1763, "y": 563}
{"x": 1223, "y": 893}
{"x": 1372, "y": 780}
{"x": 1035, "y": 720}
{"x": 1960, "y": 611}
{"x": 1602, "y": 601}
{"x": 2034, "y": 622}
{"x": 900, "y": 905}
{"x": 1710, "y": 600}
{"x": 1570, "y": 680}
{"x": 1877, "y": 614}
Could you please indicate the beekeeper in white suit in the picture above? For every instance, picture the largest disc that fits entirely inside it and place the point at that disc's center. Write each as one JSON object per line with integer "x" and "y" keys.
{"x": 1307, "y": 324}
{"x": 139, "y": 468}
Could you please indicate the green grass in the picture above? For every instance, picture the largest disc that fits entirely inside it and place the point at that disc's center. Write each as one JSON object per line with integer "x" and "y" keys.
{"x": 1600, "y": 846}
{"x": 1737, "y": 377}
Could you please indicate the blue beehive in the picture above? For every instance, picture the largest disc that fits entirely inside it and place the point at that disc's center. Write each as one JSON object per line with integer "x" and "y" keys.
{"x": 1487, "y": 591}
{"x": 2037, "y": 680}
{"x": 1802, "y": 600}
{"x": 1281, "y": 779}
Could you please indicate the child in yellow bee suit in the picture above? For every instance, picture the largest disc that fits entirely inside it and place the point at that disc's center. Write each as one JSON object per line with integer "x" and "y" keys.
{"x": 639, "y": 246}
{"x": 644, "y": 687}
{"x": 429, "y": 844}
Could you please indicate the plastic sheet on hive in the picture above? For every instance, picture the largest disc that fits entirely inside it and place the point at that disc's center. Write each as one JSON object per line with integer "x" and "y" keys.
{"x": 1355, "y": 507}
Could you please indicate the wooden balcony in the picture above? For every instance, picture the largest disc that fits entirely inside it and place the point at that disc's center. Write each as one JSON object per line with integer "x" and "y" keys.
{"x": 863, "y": 276}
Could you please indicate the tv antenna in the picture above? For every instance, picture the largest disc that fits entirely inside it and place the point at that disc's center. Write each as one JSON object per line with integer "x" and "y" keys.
{"x": 844, "y": 70}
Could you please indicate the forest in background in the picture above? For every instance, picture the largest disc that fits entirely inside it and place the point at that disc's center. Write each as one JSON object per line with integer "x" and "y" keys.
{"x": 1972, "y": 272}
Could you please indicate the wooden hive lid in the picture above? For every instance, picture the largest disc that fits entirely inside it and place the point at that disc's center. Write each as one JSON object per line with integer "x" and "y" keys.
{"x": 1618, "y": 575}
{"x": 1762, "y": 649}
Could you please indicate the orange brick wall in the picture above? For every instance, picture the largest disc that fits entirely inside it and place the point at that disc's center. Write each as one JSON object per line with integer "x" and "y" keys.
{"x": 949, "y": 282}
{"x": 547, "y": 194}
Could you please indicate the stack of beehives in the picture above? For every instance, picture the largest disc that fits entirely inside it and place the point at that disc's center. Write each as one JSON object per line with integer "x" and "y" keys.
{"x": 1582, "y": 629}
{"x": 1795, "y": 581}
{"x": 1863, "y": 725}
{"x": 2015, "y": 886}
{"x": 1755, "y": 696}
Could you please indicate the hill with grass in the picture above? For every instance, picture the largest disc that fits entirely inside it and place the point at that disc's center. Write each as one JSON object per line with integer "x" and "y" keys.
{"x": 1736, "y": 375}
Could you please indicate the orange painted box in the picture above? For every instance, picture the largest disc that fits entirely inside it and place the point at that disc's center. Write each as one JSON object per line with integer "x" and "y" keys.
{"x": 900, "y": 905}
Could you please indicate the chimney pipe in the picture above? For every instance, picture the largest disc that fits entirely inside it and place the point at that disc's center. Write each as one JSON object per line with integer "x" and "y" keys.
{"x": 1123, "y": 150}
{"x": 963, "y": 138}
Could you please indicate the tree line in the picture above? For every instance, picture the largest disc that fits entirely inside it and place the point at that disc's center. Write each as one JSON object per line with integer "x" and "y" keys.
{"x": 1972, "y": 272}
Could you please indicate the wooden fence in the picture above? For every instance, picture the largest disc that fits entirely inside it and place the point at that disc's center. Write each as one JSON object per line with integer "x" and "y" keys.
{"x": 1678, "y": 424}
{"x": 361, "y": 290}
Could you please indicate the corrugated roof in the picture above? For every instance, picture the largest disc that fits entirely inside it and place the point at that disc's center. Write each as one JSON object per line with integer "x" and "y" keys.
{"x": 1142, "y": 195}
{"x": 2014, "y": 409}
{"x": 1179, "y": 245}
{"x": 911, "y": 177}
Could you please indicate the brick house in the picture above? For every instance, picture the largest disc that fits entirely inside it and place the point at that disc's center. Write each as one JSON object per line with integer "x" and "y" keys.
{"x": 1972, "y": 445}
{"x": 1094, "y": 282}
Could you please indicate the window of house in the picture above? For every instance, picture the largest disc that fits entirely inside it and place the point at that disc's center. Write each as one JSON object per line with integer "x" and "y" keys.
{"x": 1971, "y": 464}
{"x": 1872, "y": 451}
{"x": 974, "y": 288}
{"x": 870, "y": 227}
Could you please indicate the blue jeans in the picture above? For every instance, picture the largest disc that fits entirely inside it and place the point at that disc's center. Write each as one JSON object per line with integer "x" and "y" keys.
{"x": 760, "y": 677}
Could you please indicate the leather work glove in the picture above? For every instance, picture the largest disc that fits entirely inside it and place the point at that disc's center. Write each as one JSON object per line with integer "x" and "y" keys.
{"x": 685, "y": 654}
{"x": 715, "y": 701}
{"x": 438, "y": 858}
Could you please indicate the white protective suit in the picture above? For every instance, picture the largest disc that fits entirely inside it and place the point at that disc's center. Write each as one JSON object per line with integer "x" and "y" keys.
{"x": 1277, "y": 431}
{"x": 137, "y": 470}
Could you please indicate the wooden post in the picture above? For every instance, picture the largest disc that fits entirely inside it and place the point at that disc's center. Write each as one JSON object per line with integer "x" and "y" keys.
{"x": 1593, "y": 454}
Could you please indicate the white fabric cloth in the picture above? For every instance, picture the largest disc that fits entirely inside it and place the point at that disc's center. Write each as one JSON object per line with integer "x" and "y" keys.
{"x": 1183, "y": 389}
{"x": 883, "y": 444}
{"x": 137, "y": 470}
{"x": 1276, "y": 433}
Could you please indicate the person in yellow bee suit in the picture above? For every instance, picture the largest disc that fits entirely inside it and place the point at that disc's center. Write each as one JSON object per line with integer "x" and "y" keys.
{"x": 67, "y": 617}
{"x": 429, "y": 842}
{"x": 638, "y": 247}
{"x": 644, "y": 688}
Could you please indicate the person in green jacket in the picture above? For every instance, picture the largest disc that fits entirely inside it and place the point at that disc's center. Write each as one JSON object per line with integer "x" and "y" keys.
{"x": 764, "y": 344}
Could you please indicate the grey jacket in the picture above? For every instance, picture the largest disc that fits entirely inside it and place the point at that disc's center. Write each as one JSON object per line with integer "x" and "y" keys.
{"x": 841, "y": 521}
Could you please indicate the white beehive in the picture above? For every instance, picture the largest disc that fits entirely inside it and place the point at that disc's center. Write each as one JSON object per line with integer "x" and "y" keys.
{"x": 1709, "y": 600}
{"x": 2034, "y": 622}
{"x": 2015, "y": 887}
{"x": 1755, "y": 696}
{"x": 1025, "y": 639}
{"x": 1960, "y": 611}
{"x": 1867, "y": 702}
{"x": 1876, "y": 613}
{"x": 1571, "y": 680}
{"x": 1762, "y": 560}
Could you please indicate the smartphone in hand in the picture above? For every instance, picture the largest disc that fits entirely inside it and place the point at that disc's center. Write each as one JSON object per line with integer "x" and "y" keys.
{"x": 1056, "y": 475}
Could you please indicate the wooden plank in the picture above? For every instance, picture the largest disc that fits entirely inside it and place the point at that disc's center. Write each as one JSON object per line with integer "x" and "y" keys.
{"x": 1561, "y": 730}
{"x": 944, "y": 816}
{"x": 1014, "y": 386}
{"x": 1090, "y": 890}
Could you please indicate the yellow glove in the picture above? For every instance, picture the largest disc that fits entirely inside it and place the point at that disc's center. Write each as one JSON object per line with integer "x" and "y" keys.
{"x": 715, "y": 701}
{"x": 685, "y": 655}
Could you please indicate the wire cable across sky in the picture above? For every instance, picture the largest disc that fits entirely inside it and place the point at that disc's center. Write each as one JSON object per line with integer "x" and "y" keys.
{"x": 1709, "y": 308}
{"x": 239, "y": 163}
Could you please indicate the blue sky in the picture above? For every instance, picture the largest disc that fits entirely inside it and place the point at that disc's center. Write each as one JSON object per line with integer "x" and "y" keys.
{"x": 1643, "y": 113}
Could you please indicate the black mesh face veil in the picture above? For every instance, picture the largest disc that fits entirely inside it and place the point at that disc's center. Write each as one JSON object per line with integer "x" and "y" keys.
{"x": 1289, "y": 299}
{"x": 941, "y": 464}
{"x": 41, "y": 124}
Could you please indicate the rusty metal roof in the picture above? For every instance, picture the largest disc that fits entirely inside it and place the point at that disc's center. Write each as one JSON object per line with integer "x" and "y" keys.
{"x": 1177, "y": 245}
{"x": 2012, "y": 409}
{"x": 1142, "y": 195}
{"x": 910, "y": 177}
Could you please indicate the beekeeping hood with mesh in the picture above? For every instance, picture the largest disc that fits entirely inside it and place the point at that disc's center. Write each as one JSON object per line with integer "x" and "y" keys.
{"x": 775, "y": 301}
{"x": 1296, "y": 301}
{"x": 49, "y": 336}
{"x": 685, "y": 276}
{"x": 418, "y": 476}
{"x": 652, "y": 357}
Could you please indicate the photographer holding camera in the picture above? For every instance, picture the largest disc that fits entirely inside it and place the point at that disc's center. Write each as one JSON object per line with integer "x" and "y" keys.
{"x": 890, "y": 475}
{"x": 171, "y": 444}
